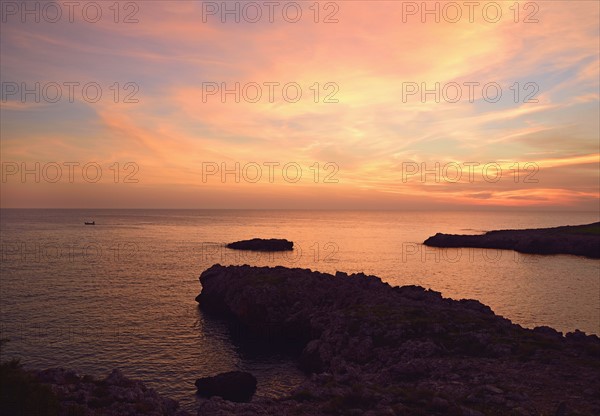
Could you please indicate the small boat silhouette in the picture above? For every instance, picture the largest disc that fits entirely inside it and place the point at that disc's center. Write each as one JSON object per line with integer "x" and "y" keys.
{"x": 90, "y": 223}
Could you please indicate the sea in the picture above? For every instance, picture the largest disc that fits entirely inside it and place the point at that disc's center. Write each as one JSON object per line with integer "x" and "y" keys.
{"x": 120, "y": 293}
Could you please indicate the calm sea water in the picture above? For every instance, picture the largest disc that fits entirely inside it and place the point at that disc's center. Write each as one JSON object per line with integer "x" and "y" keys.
{"x": 121, "y": 293}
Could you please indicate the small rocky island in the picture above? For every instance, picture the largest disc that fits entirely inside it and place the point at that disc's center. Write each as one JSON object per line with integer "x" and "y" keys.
{"x": 261, "y": 244}
{"x": 580, "y": 240}
{"x": 371, "y": 349}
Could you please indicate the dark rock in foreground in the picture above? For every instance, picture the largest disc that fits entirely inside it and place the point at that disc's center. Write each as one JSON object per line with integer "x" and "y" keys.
{"x": 65, "y": 393}
{"x": 260, "y": 244}
{"x": 580, "y": 240}
{"x": 372, "y": 349}
{"x": 236, "y": 386}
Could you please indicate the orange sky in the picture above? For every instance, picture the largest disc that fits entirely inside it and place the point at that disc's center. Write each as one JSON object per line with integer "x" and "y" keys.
{"x": 378, "y": 143}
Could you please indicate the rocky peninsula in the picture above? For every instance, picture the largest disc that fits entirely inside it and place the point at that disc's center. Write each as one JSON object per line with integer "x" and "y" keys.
{"x": 371, "y": 349}
{"x": 261, "y": 244}
{"x": 580, "y": 240}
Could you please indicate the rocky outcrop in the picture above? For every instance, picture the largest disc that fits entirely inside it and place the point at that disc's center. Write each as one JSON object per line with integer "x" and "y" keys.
{"x": 87, "y": 396}
{"x": 580, "y": 240}
{"x": 260, "y": 244}
{"x": 236, "y": 386}
{"x": 372, "y": 349}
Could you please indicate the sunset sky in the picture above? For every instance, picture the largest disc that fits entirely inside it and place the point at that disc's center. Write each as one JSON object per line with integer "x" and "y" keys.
{"x": 369, "y": 147}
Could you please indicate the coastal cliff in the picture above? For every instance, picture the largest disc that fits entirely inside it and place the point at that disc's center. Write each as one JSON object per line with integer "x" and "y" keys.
{"x": 372, "y": 349}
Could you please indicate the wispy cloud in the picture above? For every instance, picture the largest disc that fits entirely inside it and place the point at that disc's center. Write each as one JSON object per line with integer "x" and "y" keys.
{"x": 369, "y": 56}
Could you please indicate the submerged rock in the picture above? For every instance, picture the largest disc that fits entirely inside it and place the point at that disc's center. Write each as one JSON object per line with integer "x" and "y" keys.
{"x": 580, "y": 240}
{"x": 260, "y": 244}
{"x": 236, "y": 386}
{"x": 369, "y": 348}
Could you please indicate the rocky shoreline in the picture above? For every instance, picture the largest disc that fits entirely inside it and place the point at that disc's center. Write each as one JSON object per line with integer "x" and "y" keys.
{"x": 580, "y": 240}
{"x": 367, "y": 349}
{"x": 372, "y": 349}
{"x": 62, "y": 392}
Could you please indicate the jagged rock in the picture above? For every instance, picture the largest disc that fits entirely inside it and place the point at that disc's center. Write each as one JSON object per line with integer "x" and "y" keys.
{"x": 236, "y": 386}
{"x": 260, "y": 244}
{"x": 114, "y": 395}
{"x": 578, "y": 336}
{"x": 546, "y": 330}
